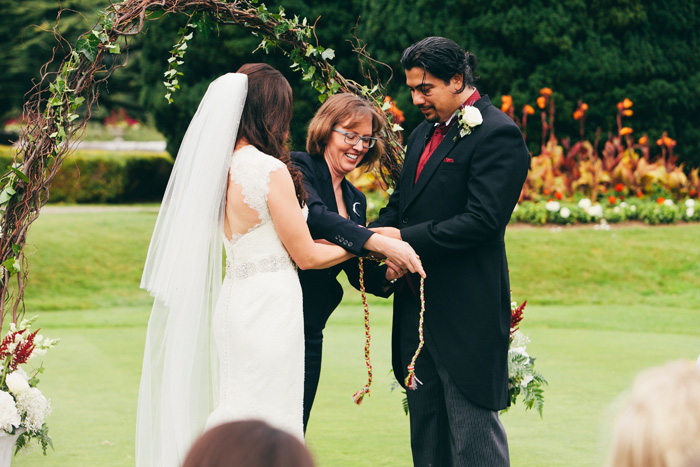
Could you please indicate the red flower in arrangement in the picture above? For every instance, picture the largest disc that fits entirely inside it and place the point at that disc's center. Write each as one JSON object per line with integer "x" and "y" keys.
{"x": 612, "y": 199}
{"x": 660, "y": 200}
{"x": 23, "y": 351}
{"x": 546, "y": 192}
{"x": 692, "y": 193}
{"x": 640, "y": 194}
{"x": 516, "y": 316}
{"x": 619, "y": 187}
{"x": 396, "y": 113}
{"x": 558, "y": 195}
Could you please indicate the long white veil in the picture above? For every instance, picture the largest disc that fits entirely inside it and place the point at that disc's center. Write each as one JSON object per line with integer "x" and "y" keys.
{"x": 183, "y": 273}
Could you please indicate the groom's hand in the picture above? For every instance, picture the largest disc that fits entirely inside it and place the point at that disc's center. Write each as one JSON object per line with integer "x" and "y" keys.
{"x": 391, "y": 232}
{"x": 393, "y": 271}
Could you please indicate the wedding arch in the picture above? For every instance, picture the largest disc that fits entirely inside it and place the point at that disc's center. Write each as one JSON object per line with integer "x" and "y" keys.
{"x": 60, "y": 102}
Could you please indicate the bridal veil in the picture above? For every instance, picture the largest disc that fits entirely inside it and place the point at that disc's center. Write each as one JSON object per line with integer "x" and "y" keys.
{"x": 183, "y": 273}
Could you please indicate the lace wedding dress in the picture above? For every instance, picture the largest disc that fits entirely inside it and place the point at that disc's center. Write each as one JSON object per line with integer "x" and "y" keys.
{"x": 258, "y": 322}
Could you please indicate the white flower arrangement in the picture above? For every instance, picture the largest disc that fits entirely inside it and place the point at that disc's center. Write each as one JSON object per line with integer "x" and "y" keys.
{"x": 468, "y": 118}
{"x": 23, "y": 408}
{"x": 522, "y": 377}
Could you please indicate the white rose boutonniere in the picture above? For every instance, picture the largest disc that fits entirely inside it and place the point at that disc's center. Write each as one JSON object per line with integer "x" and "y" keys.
{"x": 468, "y": 118}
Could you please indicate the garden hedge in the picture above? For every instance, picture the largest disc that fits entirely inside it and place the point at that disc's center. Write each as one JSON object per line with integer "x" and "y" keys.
{"x": 94, "y": 176}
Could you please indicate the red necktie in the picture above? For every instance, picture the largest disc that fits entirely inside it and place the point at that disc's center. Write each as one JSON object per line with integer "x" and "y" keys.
{"x": 435, "y": 140}
{"x": 439, "y": 135}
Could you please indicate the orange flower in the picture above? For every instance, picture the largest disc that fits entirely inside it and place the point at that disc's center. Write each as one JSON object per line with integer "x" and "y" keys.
{"x": 541, "y": 101}
{"x": 643, "y": 140}
{"x": 640, "y": 194}
{"x": 620, "y": 106}
{"x": 625, "y": 131}
{"x": 619, "y": 187}
{"x": 546, "y": 192}
{"x": 627, "y": 113}
{"x": 612, "y": 199}
{"x": 507, "y": 103}
{"x": 584, "y": 106}
{"x": 660, "y": 200}
{"x": 659, "y": 142}
{"x": 578, "y": 114}
{"x": 546, "y": 92}
{"x": 528, "y": 109}
{"x": 395, "y": 112}
{"x": 558, "y": 195}
{"x": 668, "y": 141}
{"x": 692, "y": 193}
{"x": 627, "y": 103}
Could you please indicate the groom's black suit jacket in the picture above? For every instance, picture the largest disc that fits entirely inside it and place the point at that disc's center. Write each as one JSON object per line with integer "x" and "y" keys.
{"x": 455, "y": 218}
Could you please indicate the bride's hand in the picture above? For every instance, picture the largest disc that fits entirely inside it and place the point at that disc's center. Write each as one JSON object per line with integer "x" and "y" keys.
{"x": 397, "y": 251}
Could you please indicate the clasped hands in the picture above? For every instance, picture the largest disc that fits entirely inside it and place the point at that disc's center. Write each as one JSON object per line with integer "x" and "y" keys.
{"x": 400, "y": 256}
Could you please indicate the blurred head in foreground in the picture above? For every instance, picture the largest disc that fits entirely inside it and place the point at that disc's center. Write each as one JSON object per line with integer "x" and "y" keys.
{"x": 249, "y": 443}
{"x": 658, "y": 424}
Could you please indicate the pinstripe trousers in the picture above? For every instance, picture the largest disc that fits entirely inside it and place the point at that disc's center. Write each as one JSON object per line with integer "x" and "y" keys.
{"x": 446, "y": 428}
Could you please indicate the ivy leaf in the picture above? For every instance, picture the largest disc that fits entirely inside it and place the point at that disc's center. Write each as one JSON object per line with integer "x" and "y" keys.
{"x": 309, "y": 74}
{"x": 88, "y": 47}
{"x": 6, "y": 195}
{"x": 114, "y": 49}
{"x": 20, "y": 174}
{"x": 328, "y": 54}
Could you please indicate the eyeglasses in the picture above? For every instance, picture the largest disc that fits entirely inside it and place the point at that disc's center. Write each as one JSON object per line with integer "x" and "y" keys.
{"x": 352, "y": 139}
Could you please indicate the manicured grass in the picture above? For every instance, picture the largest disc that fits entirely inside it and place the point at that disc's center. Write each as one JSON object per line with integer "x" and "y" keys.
{"x": 601, "y": 307}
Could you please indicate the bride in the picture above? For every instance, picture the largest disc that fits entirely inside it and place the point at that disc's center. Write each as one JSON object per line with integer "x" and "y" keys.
{"x": 221, "y": 352}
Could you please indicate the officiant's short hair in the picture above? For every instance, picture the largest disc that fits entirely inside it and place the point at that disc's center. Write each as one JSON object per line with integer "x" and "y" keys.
{"x": 442, "y": 58}
{"x": 658, "y": 423}
{"x": 344, "y": 109}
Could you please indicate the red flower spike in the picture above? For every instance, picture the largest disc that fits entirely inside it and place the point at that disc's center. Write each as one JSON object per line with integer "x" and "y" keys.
{"x": 516, "y": 316}
{"x": 9, "y": 339}
{"x": 23, "y": 351}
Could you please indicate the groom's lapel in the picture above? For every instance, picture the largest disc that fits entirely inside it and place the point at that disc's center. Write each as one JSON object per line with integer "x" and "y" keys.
{"x": 434, "y": 162}
{"x": 413, "y": 154}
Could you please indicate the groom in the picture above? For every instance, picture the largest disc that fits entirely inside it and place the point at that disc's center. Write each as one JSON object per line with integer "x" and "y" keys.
{"x": 452, "y": 202}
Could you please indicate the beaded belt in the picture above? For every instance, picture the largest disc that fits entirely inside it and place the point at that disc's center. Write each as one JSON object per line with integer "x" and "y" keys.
{"x": 251, "y": 268}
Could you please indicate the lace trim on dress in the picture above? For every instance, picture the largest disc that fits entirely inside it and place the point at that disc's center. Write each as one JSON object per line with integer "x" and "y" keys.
{"x": 249, "y": 167}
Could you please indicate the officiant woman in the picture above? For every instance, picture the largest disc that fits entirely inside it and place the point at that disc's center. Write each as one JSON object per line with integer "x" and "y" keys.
{"x": 343, "y": 135}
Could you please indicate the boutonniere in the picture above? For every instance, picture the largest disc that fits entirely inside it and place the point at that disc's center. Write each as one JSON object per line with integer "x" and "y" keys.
{"x": 468, "y": 118}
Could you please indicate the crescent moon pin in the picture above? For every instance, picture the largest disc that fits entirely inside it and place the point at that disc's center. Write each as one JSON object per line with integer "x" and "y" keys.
{"x": 354, "y": 208}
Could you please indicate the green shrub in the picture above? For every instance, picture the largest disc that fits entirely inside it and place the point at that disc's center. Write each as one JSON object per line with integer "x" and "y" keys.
{"x": 107, "y": 177}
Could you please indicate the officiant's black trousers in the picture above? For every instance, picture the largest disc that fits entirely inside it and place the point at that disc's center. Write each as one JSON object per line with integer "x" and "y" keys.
{"x": 312, "y": 369}
{"x": 446, "y": 428}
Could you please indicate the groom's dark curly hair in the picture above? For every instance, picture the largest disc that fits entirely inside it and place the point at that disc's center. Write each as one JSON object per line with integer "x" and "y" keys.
{"x": 442, "y": 58}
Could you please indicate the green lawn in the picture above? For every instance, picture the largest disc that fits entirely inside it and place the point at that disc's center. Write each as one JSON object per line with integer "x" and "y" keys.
{"x": 602, "y": 305}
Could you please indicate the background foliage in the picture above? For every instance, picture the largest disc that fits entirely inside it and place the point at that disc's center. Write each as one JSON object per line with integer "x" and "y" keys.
{"x": 600, "y": 51}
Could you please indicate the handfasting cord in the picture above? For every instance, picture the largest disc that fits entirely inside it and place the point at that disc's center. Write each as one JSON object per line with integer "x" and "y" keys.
{"x": 365, "y": 390}
{"x": 411, "y": 380}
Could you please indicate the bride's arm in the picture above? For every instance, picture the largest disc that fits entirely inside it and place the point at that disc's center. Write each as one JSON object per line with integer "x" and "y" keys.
{"x": 292, "y": 229}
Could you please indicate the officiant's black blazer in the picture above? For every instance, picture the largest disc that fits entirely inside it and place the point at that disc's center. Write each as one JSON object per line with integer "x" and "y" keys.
{"x": 455, "y": 218}
{"x": 321, "y": 290}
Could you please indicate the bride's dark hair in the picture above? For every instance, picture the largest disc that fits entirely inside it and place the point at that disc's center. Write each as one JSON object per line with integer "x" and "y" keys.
{"x": 266, "y": 117}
